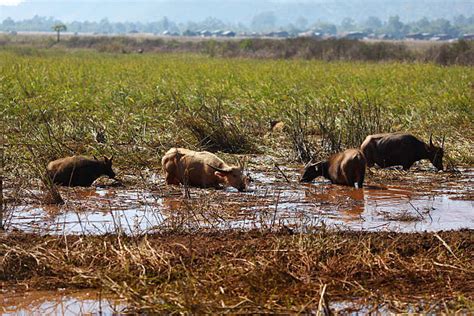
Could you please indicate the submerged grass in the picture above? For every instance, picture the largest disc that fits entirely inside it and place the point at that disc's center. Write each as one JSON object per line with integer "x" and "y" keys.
{"x": 256, "y": 271}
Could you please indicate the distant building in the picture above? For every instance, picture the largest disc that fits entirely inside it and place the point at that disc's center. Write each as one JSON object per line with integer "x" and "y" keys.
{"x": 415, "y": 36}
{"x": 419, "y": 36}
{"x": 441, "y": 37}
{"x": 278, "y": 34}
{"x": 311, "y": 34}
{"x": 372, "y": 36}
{"x": 355, "y": 35}
{"x": 468, "y": 37}
{"x": 426, "y": 35}
{"x": 228, "y": 34}
{"x": 205, "y": 33}
{"x": 169, "y": 33}
{"x": 385, "y": 36}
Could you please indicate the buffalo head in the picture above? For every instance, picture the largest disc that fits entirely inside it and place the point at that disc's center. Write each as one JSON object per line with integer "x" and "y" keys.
{"x": 312, "y": 171}
{"x": 108, "y": 167}
{"x": 436, "y": 154}
{"x": 233, "y": 176}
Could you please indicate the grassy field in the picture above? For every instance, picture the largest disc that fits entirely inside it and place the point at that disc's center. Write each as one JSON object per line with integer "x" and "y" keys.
{"x": 55, "y": 102}
{"x": 58, "y": 102}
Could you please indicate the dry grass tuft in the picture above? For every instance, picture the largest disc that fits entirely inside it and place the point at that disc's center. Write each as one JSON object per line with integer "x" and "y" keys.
{"x": 245, "y": 272}
{"x": 216, "y": 131}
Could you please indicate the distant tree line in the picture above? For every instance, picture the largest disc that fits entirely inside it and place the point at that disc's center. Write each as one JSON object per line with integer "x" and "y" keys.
{"x": 261, "y": 23}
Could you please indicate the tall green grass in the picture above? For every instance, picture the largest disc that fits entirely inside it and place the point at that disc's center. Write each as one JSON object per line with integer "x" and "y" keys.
{"x": 57, "y": 101}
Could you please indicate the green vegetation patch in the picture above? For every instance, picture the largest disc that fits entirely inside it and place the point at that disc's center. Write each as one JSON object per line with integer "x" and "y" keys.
{"x": 57, "y": 103}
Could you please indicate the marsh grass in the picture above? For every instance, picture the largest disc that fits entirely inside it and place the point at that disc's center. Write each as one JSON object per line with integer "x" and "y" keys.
{"x": 299, "y": 132}
{"x": 56, "y": 102}
{"x": 250, "y": 272}
{"x": 331, "y": 125}
{"x": 215, "y": 130}
{"x": 346, "y": 123}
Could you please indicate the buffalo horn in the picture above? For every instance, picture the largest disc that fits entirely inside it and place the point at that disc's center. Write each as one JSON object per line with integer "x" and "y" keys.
{"x": 219, "y": 169}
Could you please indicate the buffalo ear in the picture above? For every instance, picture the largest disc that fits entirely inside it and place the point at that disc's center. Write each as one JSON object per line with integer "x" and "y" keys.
{"x": 431, "y": 140}
{"x": 220, "y": 174}
{"x": 111, "y": 158}
{"x": 95, "y": 158}
{"x": 106, "y": 159}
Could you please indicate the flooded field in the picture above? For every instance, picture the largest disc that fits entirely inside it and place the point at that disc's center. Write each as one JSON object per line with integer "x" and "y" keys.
{"x": 158, "y": 249}
{"x": 394, "y": 200}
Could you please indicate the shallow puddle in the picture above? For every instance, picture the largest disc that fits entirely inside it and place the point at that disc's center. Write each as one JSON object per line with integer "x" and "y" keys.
{"x": 59, "y": 303}
{"x": 412, "y": 201}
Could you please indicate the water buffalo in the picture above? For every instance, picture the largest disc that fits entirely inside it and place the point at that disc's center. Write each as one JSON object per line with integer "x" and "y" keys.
{"x": 346, "y": 168}
{"x": 201, "y": 169}
{"x": 394, "y": 149}
{"x": 79, "y": 170}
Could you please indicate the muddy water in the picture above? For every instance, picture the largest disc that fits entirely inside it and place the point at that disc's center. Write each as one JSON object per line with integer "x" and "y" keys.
{"x": 94, "y": 303}
{"x": 59, "y": 303}
{"x": 401, "y": 201}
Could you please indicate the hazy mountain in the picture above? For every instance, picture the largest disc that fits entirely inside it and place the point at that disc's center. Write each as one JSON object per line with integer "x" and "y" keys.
{"x": 235, "y": 11}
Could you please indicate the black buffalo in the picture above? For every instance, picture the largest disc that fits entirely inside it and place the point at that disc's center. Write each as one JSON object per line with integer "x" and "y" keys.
{"x": 400, "y": 149}
{"x": 79, "y": 170}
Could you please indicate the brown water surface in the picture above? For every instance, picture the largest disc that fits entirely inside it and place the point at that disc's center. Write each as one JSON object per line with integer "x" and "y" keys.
{"x": 92, "y": 302}
{"x": 390, "y": 200}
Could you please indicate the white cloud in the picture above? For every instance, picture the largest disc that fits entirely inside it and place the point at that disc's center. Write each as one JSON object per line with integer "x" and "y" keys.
{"x": 10, "y": 2}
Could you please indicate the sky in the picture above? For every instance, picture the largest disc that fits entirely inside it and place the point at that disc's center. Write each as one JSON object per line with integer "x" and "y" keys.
{"x": 10, "y": 2}
{"x": 233, "y": 11}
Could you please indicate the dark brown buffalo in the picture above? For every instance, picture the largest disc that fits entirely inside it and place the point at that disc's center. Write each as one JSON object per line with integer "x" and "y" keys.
{"x": 79, "y": 170}
{"x": 400, "y": 149}
{"x": 346, "y": 168}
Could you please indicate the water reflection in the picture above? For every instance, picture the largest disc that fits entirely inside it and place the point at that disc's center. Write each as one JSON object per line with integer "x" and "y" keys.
{"x": 60, "y": 303}
{"x": 271, "y": 201}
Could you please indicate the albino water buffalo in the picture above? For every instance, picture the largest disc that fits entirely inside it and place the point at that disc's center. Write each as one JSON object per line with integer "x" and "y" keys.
{"x": 201, "y": 169}
{"x": 346, "y": 168}
{"x": 79, "y": 170}
{"x": 400, "y": 149}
